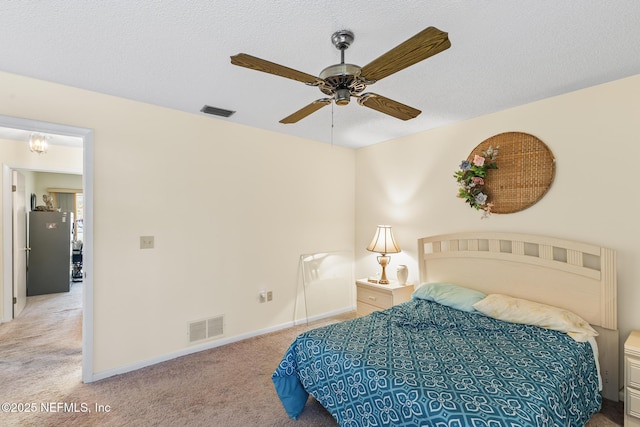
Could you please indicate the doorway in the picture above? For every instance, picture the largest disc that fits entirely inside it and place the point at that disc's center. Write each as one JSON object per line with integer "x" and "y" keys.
{"x": 6, "y": 291}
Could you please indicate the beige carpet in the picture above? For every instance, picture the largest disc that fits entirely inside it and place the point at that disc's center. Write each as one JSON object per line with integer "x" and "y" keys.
{"x": 40, "y": 360}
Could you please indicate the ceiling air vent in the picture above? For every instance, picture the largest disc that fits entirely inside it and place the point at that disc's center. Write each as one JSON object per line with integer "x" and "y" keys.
{"x": 207, "y": 109}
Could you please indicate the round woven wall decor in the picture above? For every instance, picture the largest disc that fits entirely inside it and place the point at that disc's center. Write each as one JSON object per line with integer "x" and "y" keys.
{"x": 526, "y": 168}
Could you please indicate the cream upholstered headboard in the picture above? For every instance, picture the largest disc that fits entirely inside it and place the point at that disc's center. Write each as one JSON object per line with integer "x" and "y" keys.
{"x": 576, "y": 276}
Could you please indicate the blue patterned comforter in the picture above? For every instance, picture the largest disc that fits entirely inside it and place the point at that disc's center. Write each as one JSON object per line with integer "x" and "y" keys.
{"x": 424, "y": 364}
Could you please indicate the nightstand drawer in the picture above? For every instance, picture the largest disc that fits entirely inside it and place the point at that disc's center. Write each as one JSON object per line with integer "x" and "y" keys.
{"x": 632, "y": 380}
{"x": 375, "y": 298}
{"x": 363, "y": 308}
{"x": 633, "y": 372}
{"x": 633, "y": 405}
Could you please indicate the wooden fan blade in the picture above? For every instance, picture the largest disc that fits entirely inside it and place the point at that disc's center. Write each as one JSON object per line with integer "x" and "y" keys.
{"x": 305, "y": 111}
{"x": 388, "y": 106}
{"x": 426, "y": 43}
{"x": 248, "y": 61}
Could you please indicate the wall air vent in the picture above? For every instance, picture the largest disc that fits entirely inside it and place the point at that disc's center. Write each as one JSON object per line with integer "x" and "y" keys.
{"x": 201, "y": 330}
{"x": 207, "y": 109}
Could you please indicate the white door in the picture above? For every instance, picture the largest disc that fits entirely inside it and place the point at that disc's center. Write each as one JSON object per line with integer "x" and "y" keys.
{"x": 19, "y": 244}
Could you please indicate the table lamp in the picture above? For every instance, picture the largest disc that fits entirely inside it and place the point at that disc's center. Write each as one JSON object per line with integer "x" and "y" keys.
{"x": 383, "y": 243}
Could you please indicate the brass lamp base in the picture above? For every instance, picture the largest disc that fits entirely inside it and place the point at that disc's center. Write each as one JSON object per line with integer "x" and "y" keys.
{"x": 383, "y": 260}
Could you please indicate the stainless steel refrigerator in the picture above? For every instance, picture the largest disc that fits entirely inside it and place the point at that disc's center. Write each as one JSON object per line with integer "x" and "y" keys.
{"x": 49, "y": 262}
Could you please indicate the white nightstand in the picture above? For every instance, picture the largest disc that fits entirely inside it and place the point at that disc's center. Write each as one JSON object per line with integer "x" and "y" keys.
{"x": 374, "y": 297}
{"x": 632, "y": 380}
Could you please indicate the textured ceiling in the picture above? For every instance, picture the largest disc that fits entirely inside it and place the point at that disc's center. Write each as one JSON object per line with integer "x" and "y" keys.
{"x": 175, "y": 53}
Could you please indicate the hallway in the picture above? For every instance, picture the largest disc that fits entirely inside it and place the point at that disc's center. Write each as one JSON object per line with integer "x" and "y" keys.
{"x": 41, "y": 349}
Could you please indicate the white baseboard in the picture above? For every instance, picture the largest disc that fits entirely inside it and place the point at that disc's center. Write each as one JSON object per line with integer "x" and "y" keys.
{"x": 209, "y": 345}
{"x": 324, "y": 315}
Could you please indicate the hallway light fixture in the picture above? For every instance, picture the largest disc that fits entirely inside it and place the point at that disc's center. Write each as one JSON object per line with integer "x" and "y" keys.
{"x": 38, "y": 143}
{"x": 384, "y": 243}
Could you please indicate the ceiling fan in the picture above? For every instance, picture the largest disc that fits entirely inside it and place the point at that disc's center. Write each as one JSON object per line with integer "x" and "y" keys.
{"x": 342, "y": 81}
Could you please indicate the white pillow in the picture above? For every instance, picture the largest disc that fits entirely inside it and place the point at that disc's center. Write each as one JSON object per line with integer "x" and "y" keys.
{"x": 516, "y": 310}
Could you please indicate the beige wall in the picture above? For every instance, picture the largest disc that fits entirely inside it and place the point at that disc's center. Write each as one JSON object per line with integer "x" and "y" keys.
{"x": 595, "y": 137}
{"x": 46, "y": 180}
{"x": 59, "y": 158}
{"x": 231, "y": 208}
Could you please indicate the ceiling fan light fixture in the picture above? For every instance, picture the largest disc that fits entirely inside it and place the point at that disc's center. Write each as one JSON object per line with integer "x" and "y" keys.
{"x": 342, "y": 96}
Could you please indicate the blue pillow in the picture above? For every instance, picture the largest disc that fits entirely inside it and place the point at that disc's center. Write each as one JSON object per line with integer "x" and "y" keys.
{"x": 450, "y": 295}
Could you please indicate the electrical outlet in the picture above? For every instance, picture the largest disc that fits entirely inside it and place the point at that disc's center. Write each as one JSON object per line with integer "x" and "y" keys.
{"x": 269, "y": 296}
{"x": 146, "y": 242}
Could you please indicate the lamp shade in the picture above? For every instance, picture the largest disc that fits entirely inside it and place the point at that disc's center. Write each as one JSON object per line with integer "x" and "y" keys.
{"x": 383, "y": 241}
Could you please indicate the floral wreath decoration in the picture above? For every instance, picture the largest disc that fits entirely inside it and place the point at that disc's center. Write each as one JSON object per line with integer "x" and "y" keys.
{"x": 471, "y": 177}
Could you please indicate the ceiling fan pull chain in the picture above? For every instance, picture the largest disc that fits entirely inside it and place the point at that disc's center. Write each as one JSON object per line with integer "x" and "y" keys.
{"x": 332, "y": 124}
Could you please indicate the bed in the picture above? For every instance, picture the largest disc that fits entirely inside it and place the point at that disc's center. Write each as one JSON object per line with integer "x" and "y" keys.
{"x": 431, "y": 362}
